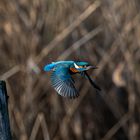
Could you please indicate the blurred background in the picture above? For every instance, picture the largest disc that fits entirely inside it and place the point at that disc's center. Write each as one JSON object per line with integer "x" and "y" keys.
{"x": 105, "y": 33}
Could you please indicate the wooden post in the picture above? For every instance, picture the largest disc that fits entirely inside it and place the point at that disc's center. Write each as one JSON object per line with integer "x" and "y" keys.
{"x": 5, "y": 133}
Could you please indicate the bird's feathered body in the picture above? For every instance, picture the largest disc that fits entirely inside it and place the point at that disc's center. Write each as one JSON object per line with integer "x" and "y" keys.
{"x": 61, "y": 77}
{"x": 68, "y": 64}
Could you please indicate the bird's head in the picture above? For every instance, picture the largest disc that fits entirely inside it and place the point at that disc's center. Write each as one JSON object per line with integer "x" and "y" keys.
{"x": 83, "y": 66}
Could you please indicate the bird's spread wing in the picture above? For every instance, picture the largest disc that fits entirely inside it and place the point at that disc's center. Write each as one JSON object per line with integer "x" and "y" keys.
{"x": 63, "y": 82}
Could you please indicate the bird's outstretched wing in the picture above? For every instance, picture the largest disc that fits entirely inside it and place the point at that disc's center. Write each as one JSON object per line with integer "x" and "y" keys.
{"x": 92, "y": 82}
{"x": 63, "y": 82}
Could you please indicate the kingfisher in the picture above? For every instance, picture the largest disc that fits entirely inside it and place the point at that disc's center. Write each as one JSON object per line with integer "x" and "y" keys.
{"x": 61, "y": 76}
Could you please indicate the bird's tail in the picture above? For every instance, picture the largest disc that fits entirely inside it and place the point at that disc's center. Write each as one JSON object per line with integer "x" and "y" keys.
{"x": 92, "y": 82}
{"x": 49, "y": 67}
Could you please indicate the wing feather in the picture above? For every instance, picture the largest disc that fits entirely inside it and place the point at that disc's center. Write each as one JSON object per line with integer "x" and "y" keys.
{"x": 63, "y": 83}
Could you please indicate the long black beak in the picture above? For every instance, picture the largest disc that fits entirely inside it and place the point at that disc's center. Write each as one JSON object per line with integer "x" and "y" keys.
{"x": 91, "y": 67}
{"x": 92, "y": 82}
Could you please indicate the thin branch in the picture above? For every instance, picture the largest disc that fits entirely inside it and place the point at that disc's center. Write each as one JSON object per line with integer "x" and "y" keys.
{"x": 67, "y": 31}
{"x": 116, "y": 127}
{"x": 79, "y": 43}
{"x": 40, "y": 122}
{"x": 10, "y": 72}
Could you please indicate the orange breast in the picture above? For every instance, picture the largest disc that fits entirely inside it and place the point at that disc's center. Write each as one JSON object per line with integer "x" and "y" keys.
{"x": 74, "y": 70}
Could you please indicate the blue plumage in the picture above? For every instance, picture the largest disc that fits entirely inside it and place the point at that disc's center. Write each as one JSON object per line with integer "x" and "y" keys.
{"x": 49, "y": 67}
{"x": 62, "y": 80}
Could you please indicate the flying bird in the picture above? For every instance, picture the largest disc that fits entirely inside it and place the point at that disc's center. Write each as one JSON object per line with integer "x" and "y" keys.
{"x": 61, "y": 76}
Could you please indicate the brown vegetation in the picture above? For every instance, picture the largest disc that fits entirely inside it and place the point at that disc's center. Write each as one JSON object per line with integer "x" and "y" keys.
{"x": 106, "y": 33}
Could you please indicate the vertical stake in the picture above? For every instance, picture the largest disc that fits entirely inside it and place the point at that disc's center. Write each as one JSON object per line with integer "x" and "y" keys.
{"x": 5, "y": 133}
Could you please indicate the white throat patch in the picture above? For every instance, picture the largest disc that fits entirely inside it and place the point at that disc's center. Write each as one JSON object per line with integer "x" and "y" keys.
{"x": 76, "y": 66}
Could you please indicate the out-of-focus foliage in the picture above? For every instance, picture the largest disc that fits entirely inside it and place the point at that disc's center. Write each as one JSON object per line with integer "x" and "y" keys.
{"x": 105, "y": 33}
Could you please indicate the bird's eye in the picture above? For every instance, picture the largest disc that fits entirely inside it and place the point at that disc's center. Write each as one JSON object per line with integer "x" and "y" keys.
{"x": 84, "y": 66}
